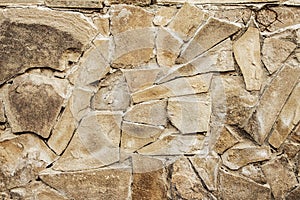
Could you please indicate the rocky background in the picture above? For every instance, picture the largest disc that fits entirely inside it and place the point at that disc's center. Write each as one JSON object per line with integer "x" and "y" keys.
{"x": 153, "y": 100}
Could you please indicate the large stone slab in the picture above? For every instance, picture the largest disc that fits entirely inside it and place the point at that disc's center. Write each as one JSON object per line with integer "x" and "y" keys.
{"x": 74, "y": 3}
{"x": 105, "y": 183}
{"x": 214, "y": 1}
{"x": 21, "y": 2}
{"x": 271, "y": 102}
{"x": 247, "y": 54}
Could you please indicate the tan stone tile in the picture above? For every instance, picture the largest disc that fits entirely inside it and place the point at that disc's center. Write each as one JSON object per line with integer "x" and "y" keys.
{"x": 102, "y": 23}
{"x": 75, "y": 3}
{"x": 164, "y": 15}
{"x": 224, "y": 141}
{"x": 254, "y": 172}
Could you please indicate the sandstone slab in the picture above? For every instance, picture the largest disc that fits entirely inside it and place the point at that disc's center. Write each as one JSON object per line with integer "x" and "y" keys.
{"x": 74, "y": 3}
{"x": 224, "y": 141}
{"x": 2, "y": 112}
{"x": 135, "y": 2}
{"x": 80, "y": 102}
{"x": 254, "y": 172}
{"x": 214, "y": 1}
{"x": 294, "y": 194}
{"x": 189, "y": 114}
{"x": 271, "y": 102}
{"x": 21, "y": 2}
{"x": 280, "y": 176}
{"x": 102, "y": 24}
{"x": 247, "y": 54}
{"x": 275, "y": 52}
{"x": 164, "y": 15}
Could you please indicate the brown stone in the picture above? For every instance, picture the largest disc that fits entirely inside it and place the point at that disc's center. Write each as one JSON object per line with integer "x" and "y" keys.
{"x": 105, "y": 183}
{"x": 294, "y": 194}
{"x": 164, "y": 15}
{"x": 247, "y": 54}
{"x": 280, "y": 176}
{"x": 254, "y": 172}
{"x": 74, "y": 3}
{"x": 235, "y": 187}
{"x": 33, "y": 104}
{"x": 204, "y": 39}
{"x": 275, "y": 52}
{"x": 2, "y": 113}
{"x": 233, "y": 14}
{"x": 187, "y": 20}
{"x": 214, "y": 1}
{"x": 22, "y": 158}
{"x": 225, "y": 141}
{"x": 271, "y": 102}
{"x": 102, "y": 24}
{"x": 135, "y": 2}
{"x": 21, "y": 2}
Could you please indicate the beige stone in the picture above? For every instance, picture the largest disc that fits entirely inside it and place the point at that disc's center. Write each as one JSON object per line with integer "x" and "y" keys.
{"x": 204, "y": 39}
{"x": 135, "y": 2}
{"x": 105, "y": 183}
{"x": 247, "y": 54}
{"x": 113, "y": 93}
{"x": 164, "y": 15}
{"x": 80, "y": 102}
{"x": 275, "y": 52}
{"x": 142, "y": 164}
{"x": 288, "y": 118}
{"x": 2, "y": 112}
{"x": 185, "y": 183}
{"x": 290, "y": 148}
{"x": 21, "y": 2}
{"x": 153, "y": 113}
{"x": 168, "y": 48}
{"x": 174, "y": 145}
{"x": 217, "y": 59}
{"x": 133, "y": 47}
{"x": 214, "y": 1}
{"x": 233, "y": 14}
{"x": 254, "y": 172}
{"x": 178, "y": 87}
{"x": 235, "y": 187}
{"x": 280, "y": 176}
{"x": 136, "y": 136}
{"x": 243, "y": 154}
{"x": 74, "y": 3}
{"x": 271, "y": 102}
{"x": 102, "y": 24}
{"x": 95, "y": 143}
{"x": 294, "y": 194}
{"x": 187, "y": 20}
{"x": 33, "y": 103}
{"x": 138, "y": 79}
{"x": 207, "y": 167}
{"x": 189, "y": 114}
{"x": 225, "y": 140}
{"x": 21, "y": 160}
{"x": 124, "y": 19}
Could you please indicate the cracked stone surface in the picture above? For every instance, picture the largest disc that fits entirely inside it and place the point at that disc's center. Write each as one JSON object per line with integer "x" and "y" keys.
{"x": 153, "y": 100}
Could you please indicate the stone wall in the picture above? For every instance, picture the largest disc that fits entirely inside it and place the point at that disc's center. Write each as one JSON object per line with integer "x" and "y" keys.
{"x": 149, "y": 100}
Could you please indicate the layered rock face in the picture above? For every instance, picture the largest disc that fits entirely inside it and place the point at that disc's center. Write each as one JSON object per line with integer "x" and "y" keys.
{"x": 153, "y": 100}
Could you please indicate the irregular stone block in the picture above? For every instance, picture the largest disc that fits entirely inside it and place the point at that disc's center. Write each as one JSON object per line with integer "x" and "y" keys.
{"x": 2, "y": 112}
{"x": 204, "y": 39}
{"x": 80, "y": 102}
{"x": 280, "y": 176}
{"x": 22, "y": 158}
{"x": 168, "y": 48}
{"x": 233, "y": 14}
{"x": 243, "y": 154}
{"x": 247, "y": 54}
{"x": 288, "y": 118}
{"x": 254, "y": 172}
{"x": 189, "y": 114}
{"x": 225, "y": 140}
{"x": 187, "y": 20}
{"x": 178, "y": 87}
{"x": 105, "y": 183}
{"x": 214, "y": 1}
{"x": 295, "y": 193}
{"x": 152, "y": 113}
{"x": 164, "y": 15}
{"x": 20, "y": 2}
{"x": 33, "y": 103}
{"x": 75, "y": 3}
{"x": 102, "y": 24}
{"x": 95, "y": 143}
{"x": 135, "y": 2}
{"x": 275, "y": 52}
{"x": 261, "y": 122}
{"x": 235, "y": 187}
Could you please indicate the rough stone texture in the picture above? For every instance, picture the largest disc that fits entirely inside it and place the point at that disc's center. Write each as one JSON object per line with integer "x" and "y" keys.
{"x": 2, "y": 113}
{"x": 214, "y": 1}
{"x": 102, "y": 24}
{"x": 294, "y": 194}
{"x": 247, "y": 54}
{"x": 225, "y": 141}
{"x": 135, "y": 2}
{"x": 254, "y": 172}
{"x": 164, "y": 16}
{"x": 20, "y": 2}
{"x": 74, "y": 3}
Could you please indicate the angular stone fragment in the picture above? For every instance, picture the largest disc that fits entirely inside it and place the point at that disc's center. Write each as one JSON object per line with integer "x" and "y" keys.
{"x": 294, "y": 194}
{"x": 243, "y": 154}
{"x": 2, "y": 114}
{"x": 224, "y": 141}
{"x": 207, "y": 167}
{"x": 168, "y": 48}
{"x": 247, "y": 54}
{"x": 74, "y": 3}
{"x": 105, "y": 183}
{"x": 234, "y": 187}
{"x": 95, "y": 143}
{"x": 153, "y": 113}
{"x": 133, "y": 48}
{"x": 275, "y": 52}
{"x": 174, "y": 145}
{"x": 124, "y": 19}
{"x": 217, "y": 59}
{"x": 138, "y": 79}
{"x": 113, "y": 93}
{"x": 271, "y": 102}
{"x": 233, "y": 14}
{"x": 102, "y": 24}
{"x": 135, "y": 136}
{"x": 80, "y": 102}
{"x": 214, "y": 1}
{"x": 21, "y": 2}
{"x": 254, "y": 172}
{"x": 164, "y": 15}
{"x": 288, "y": 118}
{"x": 185, "y": 183}
{"x": 135, "y": 2}
{"x": 189, "y": 114}
{"x": 21, "y": 160}
{"x": 204, "y": 39}
{"x": 178, "y": 87}
{"x": 33, "y": 103}
{"x": 280, "y": 176}
{"x": 142, "y": 164}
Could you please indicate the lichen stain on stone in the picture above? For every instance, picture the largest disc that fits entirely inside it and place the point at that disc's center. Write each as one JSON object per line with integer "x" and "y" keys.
{"x": 25, "y": 46}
